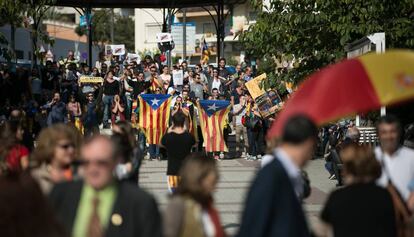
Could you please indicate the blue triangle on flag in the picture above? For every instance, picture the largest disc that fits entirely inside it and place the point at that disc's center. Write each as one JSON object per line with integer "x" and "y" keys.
{"x": 212, "y": 106}
{"x": 155, "y": 100}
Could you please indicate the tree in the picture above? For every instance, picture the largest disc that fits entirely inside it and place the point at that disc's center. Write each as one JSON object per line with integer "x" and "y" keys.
{"x": 11, "y": 12}
{"x": 124, "y": 32}
{"x": 101, "y": 34}
{"x": 315, "y": 32}
{"x": 36, "y": 10}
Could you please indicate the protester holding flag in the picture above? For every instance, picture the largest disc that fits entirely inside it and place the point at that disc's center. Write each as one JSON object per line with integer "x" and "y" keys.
{"x": 213, "y": 115}
{"x": 153, "y": 119}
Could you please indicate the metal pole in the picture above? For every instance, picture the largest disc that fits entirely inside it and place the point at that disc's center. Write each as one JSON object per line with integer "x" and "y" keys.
{"x": 169, "y": 22}
{"x": 89, "y": 21}
{"x": 223, "y": 23}
{"x": 218, "y": 48}
{"x": 184, "y": 34}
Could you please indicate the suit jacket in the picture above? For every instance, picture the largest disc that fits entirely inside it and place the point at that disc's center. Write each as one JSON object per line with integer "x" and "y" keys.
{"x": 139, "y": 211}
{"x": 272, "y": 208}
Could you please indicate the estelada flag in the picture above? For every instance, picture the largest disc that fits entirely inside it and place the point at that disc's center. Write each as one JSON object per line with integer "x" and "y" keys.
{"x": 154, "y": 114}
{"x": 213, "y": 115}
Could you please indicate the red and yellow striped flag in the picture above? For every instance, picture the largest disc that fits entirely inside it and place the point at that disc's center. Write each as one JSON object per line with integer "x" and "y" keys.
{"x": 213, "y": 115}
{"x": 154, "y": 114}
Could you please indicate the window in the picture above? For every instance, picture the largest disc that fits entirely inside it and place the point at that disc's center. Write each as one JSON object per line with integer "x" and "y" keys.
{"x": 151, "y": 31}
{"x": 208, "y": 28}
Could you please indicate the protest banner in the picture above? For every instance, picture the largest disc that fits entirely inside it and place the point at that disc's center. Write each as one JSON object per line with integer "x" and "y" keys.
{"x": 89, "y": 79}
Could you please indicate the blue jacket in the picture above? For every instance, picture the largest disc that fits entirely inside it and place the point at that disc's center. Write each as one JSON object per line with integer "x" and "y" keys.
{"x": 272, "y": 208}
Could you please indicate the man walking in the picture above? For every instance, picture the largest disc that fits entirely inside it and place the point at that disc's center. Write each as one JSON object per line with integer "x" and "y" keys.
{"x": 397, "y": 161}
{"x": 273, "y": 206}
{"x": 101, "y": 206}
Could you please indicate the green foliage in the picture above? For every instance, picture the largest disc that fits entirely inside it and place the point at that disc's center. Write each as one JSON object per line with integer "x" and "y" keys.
{"x": 232, "y": 61}
{"x": 124, "y": 32}
{"x": 101, "y": 34}
{"x": 315, "y": 32}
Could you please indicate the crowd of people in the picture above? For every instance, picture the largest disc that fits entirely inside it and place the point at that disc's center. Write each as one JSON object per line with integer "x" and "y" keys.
{"x": 64, "y": 178}
{"x": 55, "y": 93}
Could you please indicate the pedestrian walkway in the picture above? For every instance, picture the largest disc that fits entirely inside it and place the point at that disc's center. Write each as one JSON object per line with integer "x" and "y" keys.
{"x": 235, "y": 179}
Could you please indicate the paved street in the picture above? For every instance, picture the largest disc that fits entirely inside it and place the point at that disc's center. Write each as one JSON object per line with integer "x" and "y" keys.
{"x": 235, "y": 179}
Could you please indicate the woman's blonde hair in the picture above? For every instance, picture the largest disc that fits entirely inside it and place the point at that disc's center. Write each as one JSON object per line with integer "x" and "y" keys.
{"x": 196, "y": 168}
{"x": 48, "y": 140}
{"x": 360, "y": 163}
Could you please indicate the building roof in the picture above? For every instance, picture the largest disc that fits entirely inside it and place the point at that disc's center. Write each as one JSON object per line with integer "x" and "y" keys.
{"x": 143, "y": 3}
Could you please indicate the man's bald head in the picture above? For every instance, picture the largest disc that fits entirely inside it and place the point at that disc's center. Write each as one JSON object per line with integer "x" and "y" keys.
{"x": 98, "y": 156}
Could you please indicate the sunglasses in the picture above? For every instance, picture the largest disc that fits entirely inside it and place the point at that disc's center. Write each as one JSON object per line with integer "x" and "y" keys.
{"x": 66, "y": 146}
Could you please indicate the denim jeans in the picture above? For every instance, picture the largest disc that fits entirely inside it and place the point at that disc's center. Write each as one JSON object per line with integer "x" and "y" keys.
{"x": 250, "y": 139}
{"x": 154, "y": 151}
{"x": 141, "y": 141}
{"x": 107, "y": 102}
{"x": 128, "y": 108}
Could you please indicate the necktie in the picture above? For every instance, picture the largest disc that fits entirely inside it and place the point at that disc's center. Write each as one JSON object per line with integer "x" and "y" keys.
{"x": 95, "y": 228}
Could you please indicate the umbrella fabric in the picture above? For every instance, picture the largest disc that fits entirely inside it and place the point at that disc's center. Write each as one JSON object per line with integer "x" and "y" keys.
{"x": 351, "y": 86}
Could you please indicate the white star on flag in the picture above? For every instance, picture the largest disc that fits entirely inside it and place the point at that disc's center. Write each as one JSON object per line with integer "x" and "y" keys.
{"x": 212, "y": 107}
{"x": 155, "y": 101}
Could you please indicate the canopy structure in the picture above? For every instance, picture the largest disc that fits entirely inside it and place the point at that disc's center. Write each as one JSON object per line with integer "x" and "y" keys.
{"x": 218, "y": 6}
{"x": 144, "y": 3}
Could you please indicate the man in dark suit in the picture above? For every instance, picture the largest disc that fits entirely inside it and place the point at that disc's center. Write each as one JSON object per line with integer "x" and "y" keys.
{"x": 273, "y": 206}
{"x": 100, "y": 206}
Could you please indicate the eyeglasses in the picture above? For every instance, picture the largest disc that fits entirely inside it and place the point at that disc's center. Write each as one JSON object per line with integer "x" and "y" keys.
{"x": 98, "y": 162}
{"x": 215, "y": 71}
{"x": 66, "y": 146}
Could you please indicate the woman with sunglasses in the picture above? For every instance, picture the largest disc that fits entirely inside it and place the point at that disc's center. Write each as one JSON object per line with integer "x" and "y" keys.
{"x": 55, "y": 153}
{"x": 215, "y": 82}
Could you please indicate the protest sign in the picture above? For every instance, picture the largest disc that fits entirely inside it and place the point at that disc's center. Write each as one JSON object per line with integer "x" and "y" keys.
{"x": 267, "y": 102}
{"x": 115, "y": 49}
{"x": 178, "y": 77}
{"x": 253, "y": 86}
{"x": 133, "y": 57}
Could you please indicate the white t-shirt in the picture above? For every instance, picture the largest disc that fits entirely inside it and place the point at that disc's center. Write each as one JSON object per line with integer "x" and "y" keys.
{"x": 238, "y": 118}
{"x": 400, "y": 168}
{"x": 216, "y": 84}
